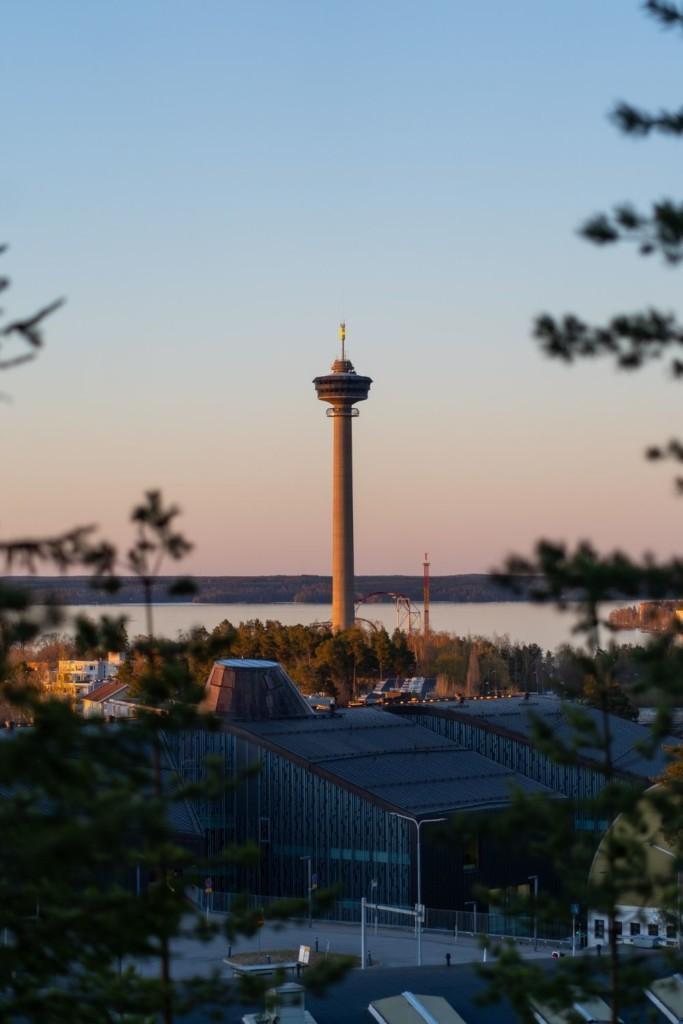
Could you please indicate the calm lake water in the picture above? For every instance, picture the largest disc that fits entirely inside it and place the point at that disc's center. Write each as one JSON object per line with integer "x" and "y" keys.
{"x": 522, "y": 622}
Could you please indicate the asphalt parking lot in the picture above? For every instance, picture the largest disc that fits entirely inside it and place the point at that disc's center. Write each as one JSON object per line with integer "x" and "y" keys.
{"x": 394, "y": 970}
{"x": 347, "y": 1002}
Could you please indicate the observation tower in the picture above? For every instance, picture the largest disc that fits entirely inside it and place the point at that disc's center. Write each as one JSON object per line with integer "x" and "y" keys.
{"x": 342, "y": 388}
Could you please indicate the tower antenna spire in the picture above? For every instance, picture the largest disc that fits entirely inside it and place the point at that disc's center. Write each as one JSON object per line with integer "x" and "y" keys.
{"x": 342, "y": 338}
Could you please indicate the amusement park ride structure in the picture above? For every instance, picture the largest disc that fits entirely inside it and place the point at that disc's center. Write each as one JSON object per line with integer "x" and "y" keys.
{"x": 409, "y": 618}
{"x": 408, "y": 615}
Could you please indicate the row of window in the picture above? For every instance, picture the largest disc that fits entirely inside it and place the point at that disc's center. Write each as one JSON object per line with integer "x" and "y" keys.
{"x": 339, "y": 853}
{"x": 634, "y": 929}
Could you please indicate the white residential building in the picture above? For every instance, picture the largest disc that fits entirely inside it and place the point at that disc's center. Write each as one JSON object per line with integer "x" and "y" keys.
{"x": 79, "y": 676}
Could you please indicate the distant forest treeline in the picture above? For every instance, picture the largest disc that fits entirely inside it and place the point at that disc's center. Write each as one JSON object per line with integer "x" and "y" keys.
{"x": 269, "y": 589}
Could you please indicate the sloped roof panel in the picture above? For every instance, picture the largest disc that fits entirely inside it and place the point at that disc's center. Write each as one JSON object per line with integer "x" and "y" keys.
{"x": 515, "y": 715}
{"x": 394, "y": 760}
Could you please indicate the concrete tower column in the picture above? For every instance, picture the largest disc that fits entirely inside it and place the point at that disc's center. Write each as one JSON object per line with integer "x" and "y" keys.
{"x": 343, "y": 609}
{"x": 342, "y": 388}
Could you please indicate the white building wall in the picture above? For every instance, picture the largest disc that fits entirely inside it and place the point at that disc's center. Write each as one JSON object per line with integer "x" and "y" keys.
{"x": 637, "y": 923}
{"x": 84, "y": 675}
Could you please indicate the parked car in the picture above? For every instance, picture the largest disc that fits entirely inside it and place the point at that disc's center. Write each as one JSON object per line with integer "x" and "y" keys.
{"x": 647, "y": 941}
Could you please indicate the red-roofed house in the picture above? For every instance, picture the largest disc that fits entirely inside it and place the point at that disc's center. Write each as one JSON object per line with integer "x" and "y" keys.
{"x": 110, "y": 700}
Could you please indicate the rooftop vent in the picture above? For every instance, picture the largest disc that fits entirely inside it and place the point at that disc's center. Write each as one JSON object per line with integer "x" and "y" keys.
{"x": 251, "y": 690}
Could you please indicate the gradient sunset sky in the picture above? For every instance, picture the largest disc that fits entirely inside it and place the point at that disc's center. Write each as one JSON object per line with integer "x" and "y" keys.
{"x": 214, "y": 185}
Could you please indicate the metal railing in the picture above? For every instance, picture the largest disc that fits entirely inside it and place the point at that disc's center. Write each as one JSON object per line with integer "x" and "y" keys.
{"x": 447, "y": 922}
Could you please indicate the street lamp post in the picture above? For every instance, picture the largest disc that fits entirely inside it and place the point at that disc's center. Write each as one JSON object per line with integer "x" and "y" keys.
{"x": 534, "y": 879}
{"x": 373, "y": 898}
{"x": 473, "y": 904}
{"x": 307, "y": 858}
{"x": 418, "y": 823}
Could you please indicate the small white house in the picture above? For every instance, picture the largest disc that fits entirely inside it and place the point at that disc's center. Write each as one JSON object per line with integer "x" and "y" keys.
{"x": 109, "y": 700}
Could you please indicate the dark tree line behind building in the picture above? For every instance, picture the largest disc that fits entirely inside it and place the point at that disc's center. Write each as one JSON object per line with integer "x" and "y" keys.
{"x": 348, "y": 664}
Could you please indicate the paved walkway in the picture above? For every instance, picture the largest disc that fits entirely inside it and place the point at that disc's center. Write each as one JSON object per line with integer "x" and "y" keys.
{"x": 388, "y": 948}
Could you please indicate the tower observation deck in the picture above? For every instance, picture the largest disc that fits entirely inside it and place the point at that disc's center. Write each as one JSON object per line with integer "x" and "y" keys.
{"x": 342, "y": 388}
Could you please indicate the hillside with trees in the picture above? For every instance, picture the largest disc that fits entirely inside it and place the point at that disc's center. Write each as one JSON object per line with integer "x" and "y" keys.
{"x": 470, "y": 587}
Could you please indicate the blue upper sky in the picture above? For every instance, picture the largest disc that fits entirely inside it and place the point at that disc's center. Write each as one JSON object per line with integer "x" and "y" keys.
{"x": 214, "y": 185}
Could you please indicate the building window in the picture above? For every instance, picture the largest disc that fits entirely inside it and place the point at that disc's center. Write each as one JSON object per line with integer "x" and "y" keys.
{"x": 599, "y": 928}
{"x": 618, "y": 928}
{"x": 470, "y": 853}
{"x": 635, "y": 927}
{"x": 653, "y": 929}
{"x": 671, "y": 931}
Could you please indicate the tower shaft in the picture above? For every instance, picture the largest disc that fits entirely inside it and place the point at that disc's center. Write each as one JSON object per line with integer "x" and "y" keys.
{"x": 342, "y": 388}
{"x": 425, "y": 596}
{"x": 343, "y": 608}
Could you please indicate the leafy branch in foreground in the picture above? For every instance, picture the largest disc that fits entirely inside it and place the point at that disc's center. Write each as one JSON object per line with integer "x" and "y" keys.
{"x": 28, "y": 329}
{"x": 156, "y": 539}
{"x": 632, "y": 340}
{"x": 672, "y": 450}
{"x": 67, "y": 550}
{"x": 585, "y": 579}
{"x": 604, "y": 866}
{"x": 661, "y": 231}
{"x": 633, "y": 121}
{"x": 667, "y": 13}
{"x": 99, "y": 848}
{"x": 630, "y": 119}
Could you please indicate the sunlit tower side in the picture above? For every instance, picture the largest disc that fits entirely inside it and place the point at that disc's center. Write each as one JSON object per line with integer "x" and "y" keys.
{"x": 425, "y": 598}
{"x": 342, "y": 388}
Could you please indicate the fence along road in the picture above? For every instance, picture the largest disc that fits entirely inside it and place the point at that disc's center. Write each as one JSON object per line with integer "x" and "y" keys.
{"x": 390, "y": 946}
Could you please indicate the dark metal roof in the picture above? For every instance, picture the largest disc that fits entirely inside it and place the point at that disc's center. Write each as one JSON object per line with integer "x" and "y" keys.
{"x": 435, "y": 781}
{"x": 515, "y": 715}
{"x": 391, "y": 761}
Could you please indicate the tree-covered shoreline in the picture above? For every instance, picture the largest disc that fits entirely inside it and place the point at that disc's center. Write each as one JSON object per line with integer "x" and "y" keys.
{"x": 465, "y": 588}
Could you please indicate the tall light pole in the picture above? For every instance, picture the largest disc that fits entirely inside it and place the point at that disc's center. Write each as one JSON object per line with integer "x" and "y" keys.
{"x": 418, "y": 823}
{"x": 307, "y": 858}
{"x": 473, "y": 904}
{"x": 373, "y": 898}
{"x": 534, "y": 879}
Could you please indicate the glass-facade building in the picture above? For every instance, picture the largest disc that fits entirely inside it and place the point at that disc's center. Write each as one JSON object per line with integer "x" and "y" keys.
{"x": 328, "y": 790}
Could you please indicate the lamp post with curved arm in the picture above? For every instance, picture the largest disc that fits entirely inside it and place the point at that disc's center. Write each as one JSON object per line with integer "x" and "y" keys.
{"x": 418, "y": 823}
